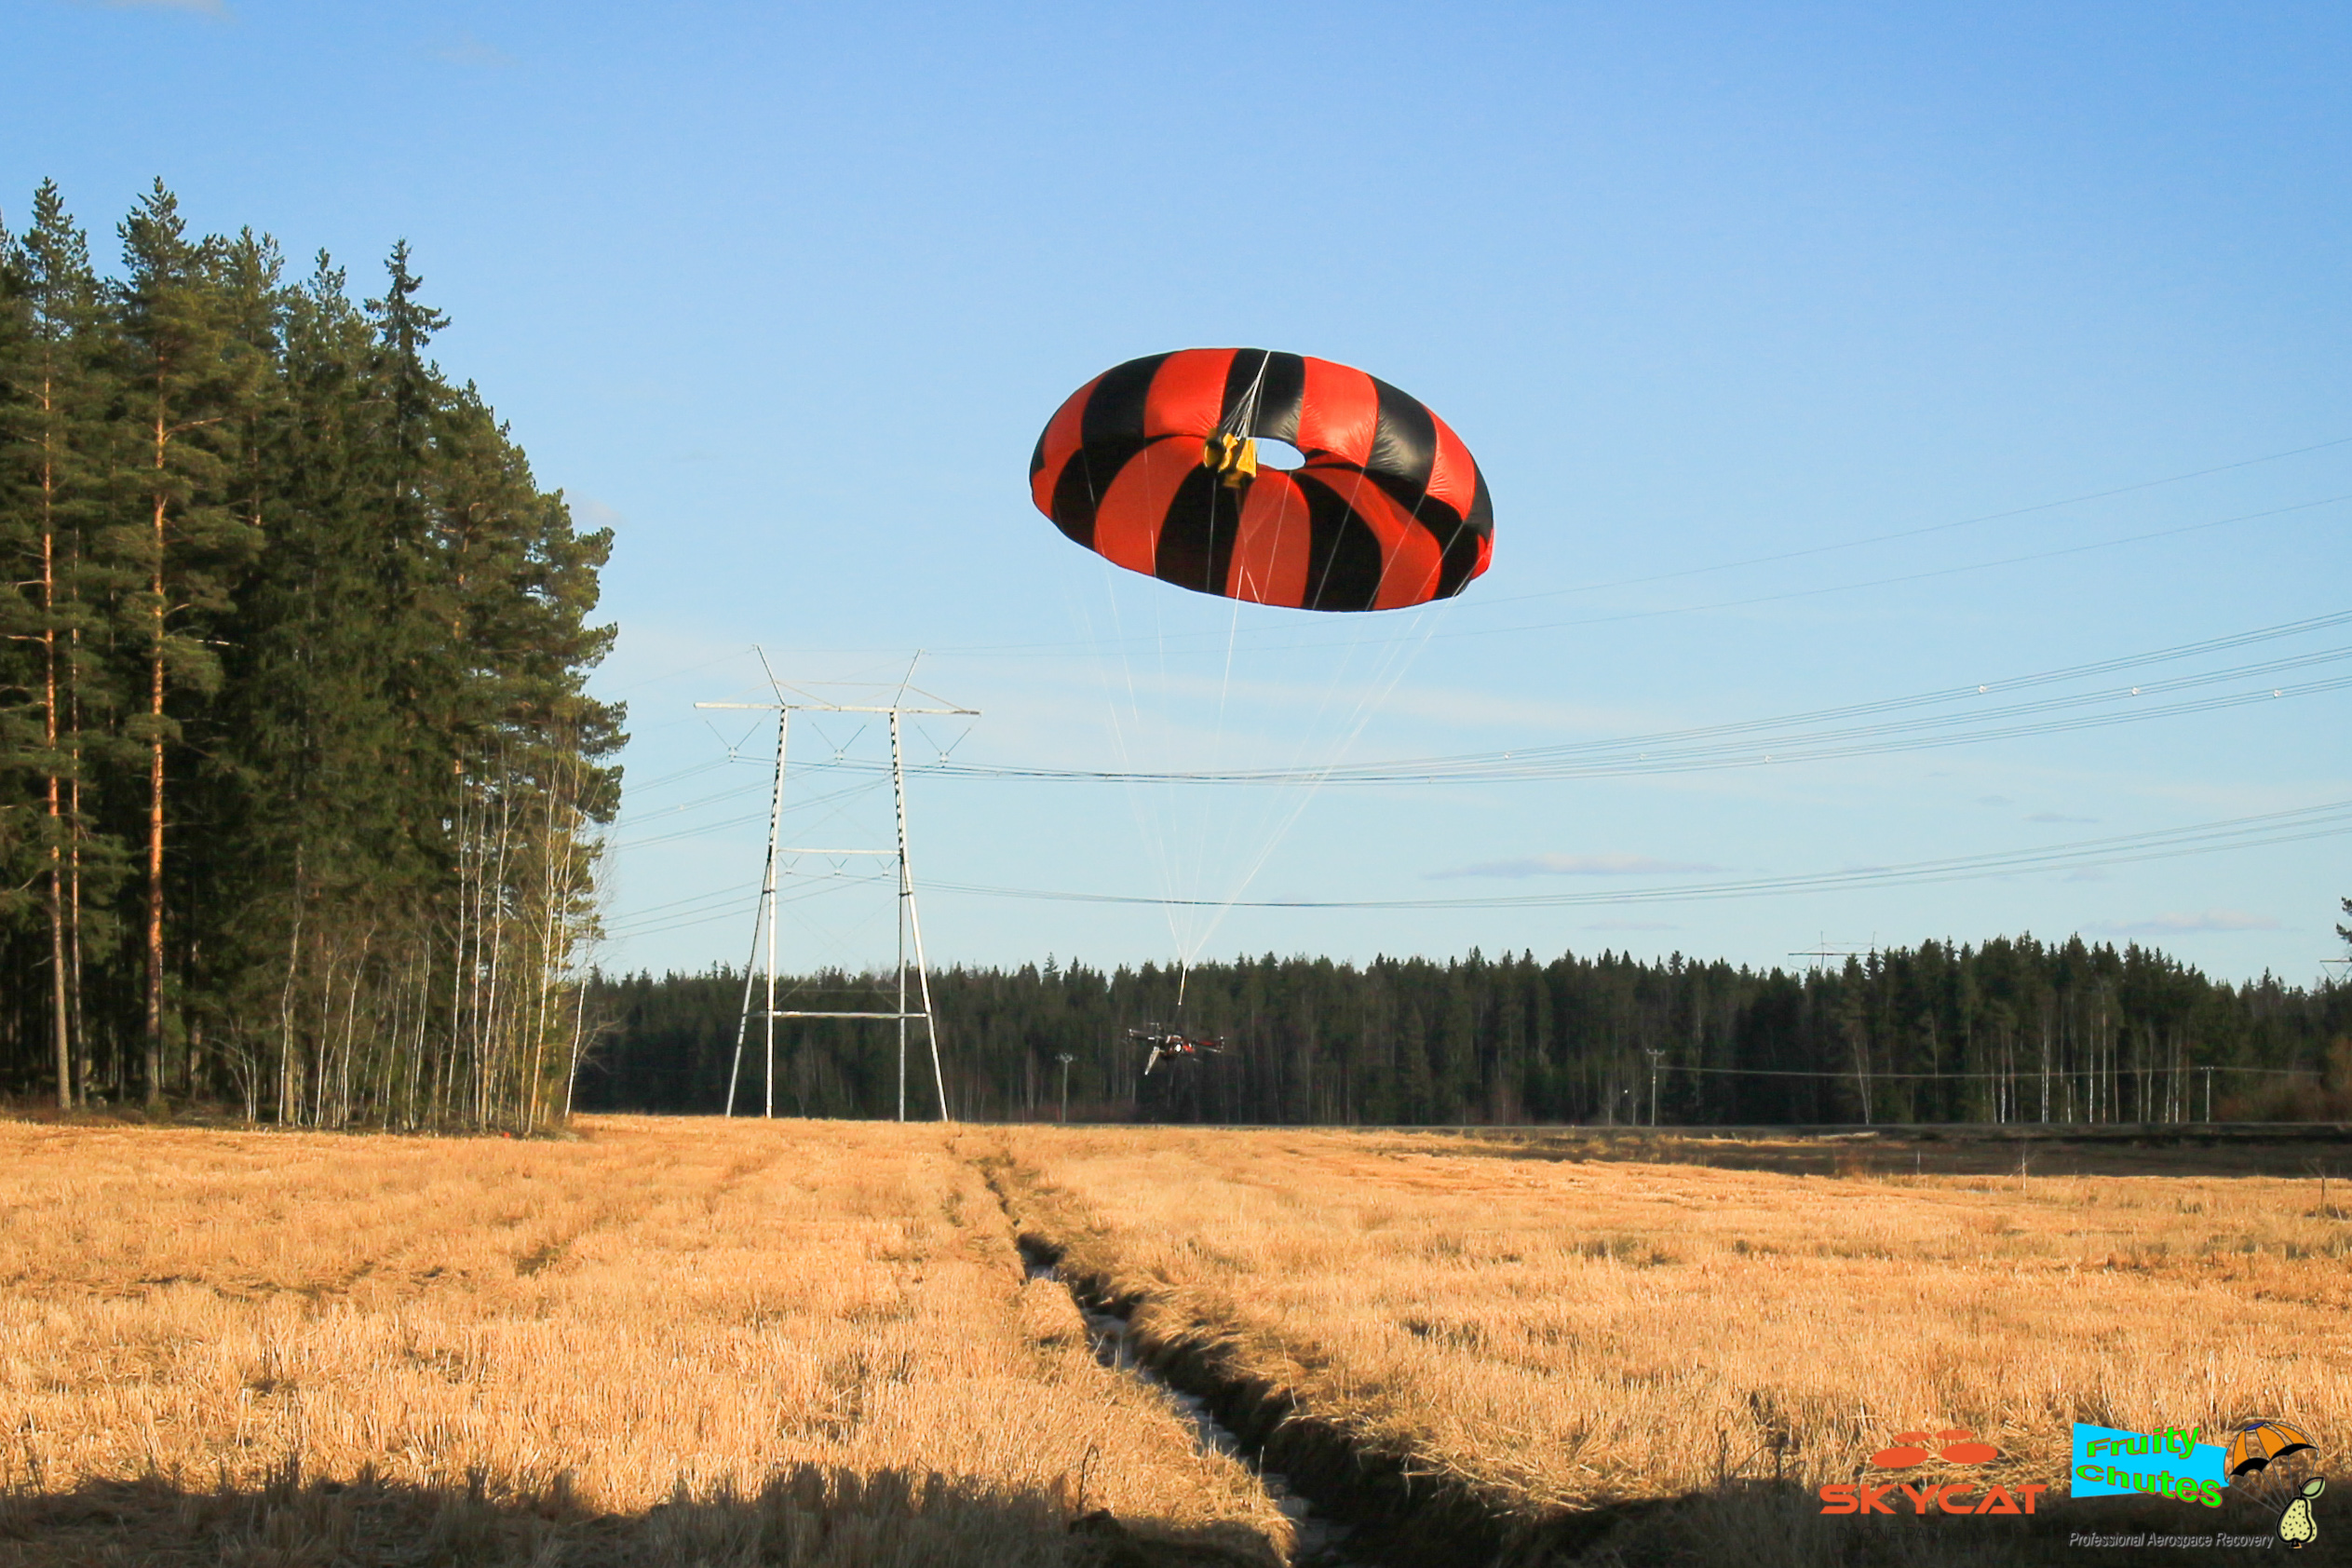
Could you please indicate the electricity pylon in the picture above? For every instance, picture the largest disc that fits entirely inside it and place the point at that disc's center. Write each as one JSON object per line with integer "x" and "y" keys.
{"x": 909, "y": 918}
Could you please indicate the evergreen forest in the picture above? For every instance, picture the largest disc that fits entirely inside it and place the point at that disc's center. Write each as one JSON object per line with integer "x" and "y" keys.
{"x": 302, "y": 794}
{"x": 300, "y": 783}
{"x": 2011, "y": 1031}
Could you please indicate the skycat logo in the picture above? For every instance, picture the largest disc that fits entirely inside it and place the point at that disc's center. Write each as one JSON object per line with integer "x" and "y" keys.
{"x": 1954, "y": 1445}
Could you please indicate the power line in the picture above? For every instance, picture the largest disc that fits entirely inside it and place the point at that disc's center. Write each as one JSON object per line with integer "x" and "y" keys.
{"x": 1742, "y": 743}
{"x": 2241, "y": 832}
{"x": 1787, "y": 737}
{"x": 1877, "y": 582}
{"x": 1871, "y": 740}
{"x": 693, "y": 899}
{"x": 649, "y": 785}
{"x": 1161, "y": 641}
{"x": 811, "y": 885}
{"x": 1739, "y": 743}
{"x": 849, "y": 791}
{"x": 1930, "y": 528}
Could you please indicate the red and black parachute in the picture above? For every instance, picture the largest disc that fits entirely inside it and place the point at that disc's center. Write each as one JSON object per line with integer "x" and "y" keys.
{"x": 1153, "y": 465}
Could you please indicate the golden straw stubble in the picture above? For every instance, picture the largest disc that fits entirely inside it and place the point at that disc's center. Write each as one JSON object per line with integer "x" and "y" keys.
{"x": 656, "y": 1305}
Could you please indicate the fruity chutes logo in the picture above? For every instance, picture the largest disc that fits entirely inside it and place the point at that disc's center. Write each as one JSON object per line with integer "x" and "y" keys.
{"x": 1953, "y": 1445}
{"x": 2171, "y": 1463}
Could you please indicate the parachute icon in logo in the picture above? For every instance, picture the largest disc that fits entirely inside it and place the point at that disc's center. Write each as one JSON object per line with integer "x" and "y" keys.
{"x": 1954, "y": 1445}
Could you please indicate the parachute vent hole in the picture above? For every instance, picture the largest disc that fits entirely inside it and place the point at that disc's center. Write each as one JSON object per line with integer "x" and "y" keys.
{"x": 1279, "y": 454}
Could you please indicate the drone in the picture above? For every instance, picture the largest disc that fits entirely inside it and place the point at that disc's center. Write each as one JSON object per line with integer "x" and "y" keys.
{"x": 1171, "y": 1044}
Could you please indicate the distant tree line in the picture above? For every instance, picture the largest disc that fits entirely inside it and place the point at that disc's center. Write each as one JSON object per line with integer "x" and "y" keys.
{"x": 299, "y": 778}
{"x": 2013, "y": 1031}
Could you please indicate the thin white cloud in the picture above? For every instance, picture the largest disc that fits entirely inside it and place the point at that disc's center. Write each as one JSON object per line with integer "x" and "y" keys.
{"x": 2173, "y": 925}
{"x": 588, "y": 512}
{"x": 469, "y": 50}
{"x": 1632, "y": 925}
{"x": 2058, "y": 816}
{"x": 1577, "y": 865}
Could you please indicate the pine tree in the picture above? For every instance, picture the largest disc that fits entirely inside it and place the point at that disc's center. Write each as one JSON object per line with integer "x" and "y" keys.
{"x": 55, "y": 396}
{"x": 22, "y": 619}
{"x": 213, "y": 885}
{"x": 181, "y": 376}
{"x": 291, "y": 612}
{"x": 303, "y": 681}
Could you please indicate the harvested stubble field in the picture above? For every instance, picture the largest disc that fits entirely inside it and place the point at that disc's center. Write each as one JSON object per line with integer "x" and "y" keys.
{"x": 1542, "y": 1337}
{"x": 796, "y": 1342}
{"x": 664, "y": 1341}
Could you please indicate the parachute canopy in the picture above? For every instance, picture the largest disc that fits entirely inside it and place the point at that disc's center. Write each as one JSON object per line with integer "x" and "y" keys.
{"x": 2256, "y": 1443}
{"x": 1153, "y": 465}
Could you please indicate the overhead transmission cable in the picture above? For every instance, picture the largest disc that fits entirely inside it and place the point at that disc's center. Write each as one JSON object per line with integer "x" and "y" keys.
{"x": 1774, "y": 558}
{"x": 1783, "y": 596}
{"x": 2327, "y": 820}
{"x": 1787, "y": 736}
{"x": 1610, "y": 758}
{"x": 1932, "y": 572}
{"x": 1917, "y": 533}
{"x": 798, "y": 807}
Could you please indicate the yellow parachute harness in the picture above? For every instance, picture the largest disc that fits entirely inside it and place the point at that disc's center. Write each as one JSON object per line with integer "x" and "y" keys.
{"x": 1231, "y": 454}
{"x": 1234, "y": 458}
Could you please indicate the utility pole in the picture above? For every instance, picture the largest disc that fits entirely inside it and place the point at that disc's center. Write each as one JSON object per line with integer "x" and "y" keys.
{"x": 1655, "y": 1055}
{"x": 909, "y": 918}
{"x": 2208, "y": 1096}
{"x": 1065, "y": 1059}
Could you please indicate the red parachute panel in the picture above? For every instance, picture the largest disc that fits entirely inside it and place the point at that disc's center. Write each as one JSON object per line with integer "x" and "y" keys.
{"x": 1147, "y": 465}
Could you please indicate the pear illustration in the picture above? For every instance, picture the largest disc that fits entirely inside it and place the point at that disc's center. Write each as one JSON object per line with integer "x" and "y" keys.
{"x": 2297, "y": 1529}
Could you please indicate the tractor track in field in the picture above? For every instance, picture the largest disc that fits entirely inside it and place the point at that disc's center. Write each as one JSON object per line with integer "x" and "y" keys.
{"x": 1354, "y": 1504}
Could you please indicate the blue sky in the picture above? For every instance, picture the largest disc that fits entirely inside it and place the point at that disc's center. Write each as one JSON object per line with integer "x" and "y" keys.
{"x": 1738, "y": 308}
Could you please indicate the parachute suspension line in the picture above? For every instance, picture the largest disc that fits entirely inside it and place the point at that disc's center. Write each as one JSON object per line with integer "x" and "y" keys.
{"x": 1399, "y": 656}
{"x": 1203, "y": 927}
{"x": 1151, "y": 825}
{"x": 1207, "y": 811}
{"x": 1180, "y": 835}
{"x": 1119, "y": 732}
{"x": 1170, "y": 810}
{"x": 1182, "y": 841}
{"x": 1243, "y": 420}
{"x": 1233, "y": 451}
{"x": 1104, "y": 428}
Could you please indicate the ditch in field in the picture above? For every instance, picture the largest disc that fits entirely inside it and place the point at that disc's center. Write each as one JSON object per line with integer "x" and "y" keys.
{"x": 1162, "y": 1314}
{"x": 1351, "y": 1506}
{"x": 1317, "y": 1533}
